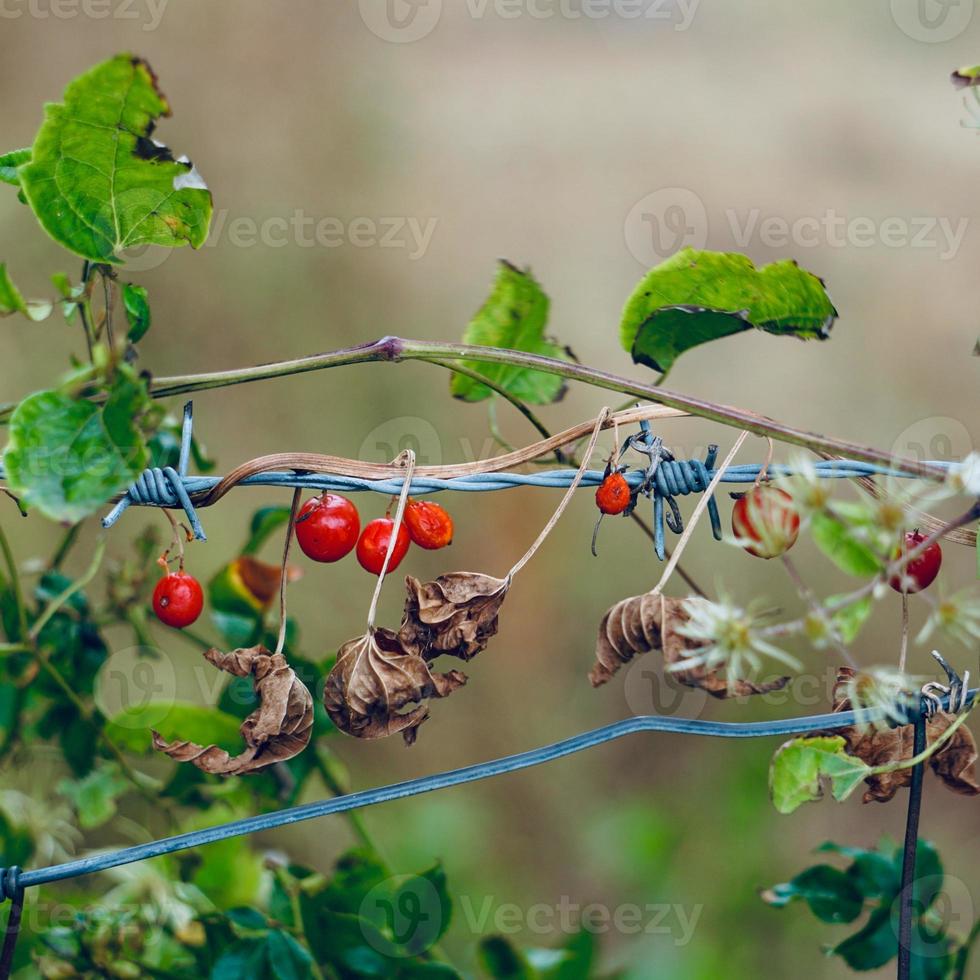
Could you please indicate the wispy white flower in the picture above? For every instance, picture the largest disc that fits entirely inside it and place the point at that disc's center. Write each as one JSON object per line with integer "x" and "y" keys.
{"x": 965, "y": 477}
{"x": 733, "y": 639}
{"x": 879, "y": 695}
{"x": 810, "y": 492}
{"x": 51, "y": 824}
{"x": 958, "y": 616}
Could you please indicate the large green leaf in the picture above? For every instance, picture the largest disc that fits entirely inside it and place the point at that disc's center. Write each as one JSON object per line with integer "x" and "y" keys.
{"x": 98, "y": 183}
{"x": 137, "y": 305}
{"x": 799, "y": 765}
{"x": 67, "y": 456}
{"x": 697, "y": 296}
{"x": 514, "y": 317}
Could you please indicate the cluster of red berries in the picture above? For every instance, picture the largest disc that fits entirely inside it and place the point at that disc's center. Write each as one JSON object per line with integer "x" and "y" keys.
{"x": 328, "y": 527}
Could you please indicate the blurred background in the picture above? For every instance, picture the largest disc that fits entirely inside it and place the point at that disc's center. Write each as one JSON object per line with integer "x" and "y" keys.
{"x": 370, "y": 163}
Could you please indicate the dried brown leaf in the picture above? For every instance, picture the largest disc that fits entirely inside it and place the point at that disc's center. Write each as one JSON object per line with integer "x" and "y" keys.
{"x": 261, "y": 579}
{"x": 277, "y": 730}
{"x": 954, "y": 761}
{"x": 378, "y": 687}
{"x": 454, "y": 615}
{"x": 633, "y": 626}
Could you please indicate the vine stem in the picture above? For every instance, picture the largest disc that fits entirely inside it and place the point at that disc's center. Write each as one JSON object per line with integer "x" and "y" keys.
{"x": 283, "y": 573}
{"x": 406, "y": 459}
{"x": 397, "y": 349}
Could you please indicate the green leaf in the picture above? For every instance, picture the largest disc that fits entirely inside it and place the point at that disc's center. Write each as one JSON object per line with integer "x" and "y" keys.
{"x": 838, "y": 542}
{"x": 697, "y": 296}
{"x": 798, "y": 766}
{"x": 831, "y": 894}
{"x": 420, "y": 910}
{"x": 264, "y": 522}
{"x": 130, "y": 729}
{"x": 68, "y": 456}
{"x": 502, "y": 960}
{"x": 94, "y": 796}
{"x": 9, "y": 162}
{"x": 849, "y": 620}
{"x": 98, "y": 183}
{"x": 287, "y": 958}
{"x": 513, "y": 317}
{"x": 137, "y": 307}
{"x": 11, "y": 300}
{"x": 966, "y": 77}
{"x": 872, "y": 872}
{"x": 871, "y": 946}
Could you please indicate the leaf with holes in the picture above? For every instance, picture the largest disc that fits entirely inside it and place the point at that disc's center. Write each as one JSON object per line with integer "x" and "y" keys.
{"x": 698, "y": 296}
{"x": 513, "y": 317}
{"x": 98, "y": 182}
{"x": 67, "y": 456}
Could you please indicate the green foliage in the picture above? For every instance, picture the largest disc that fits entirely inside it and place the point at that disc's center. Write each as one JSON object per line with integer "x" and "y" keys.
{"x": 96, "y": 180}
{"x": 9, "y": 162}
{"x": 130, "y": 729}
{"x": 67, "y": 455}
{"x": 871, "y": 884}
{"x": 799, "y": 765}
{"x": 11, "y": 300}
{"x": 840, "y": 543}
{"x": 95, "y": 795}
{"x": 514, "y": 316}
{"x": 501, "y": 959}
{"x": 137, "y": 305}
{"x": 698, "y": 296}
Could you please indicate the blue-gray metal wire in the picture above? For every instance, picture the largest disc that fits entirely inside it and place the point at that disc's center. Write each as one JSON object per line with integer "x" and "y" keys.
{"x": 12, "y": 880}
{"x": 668, "y": 478}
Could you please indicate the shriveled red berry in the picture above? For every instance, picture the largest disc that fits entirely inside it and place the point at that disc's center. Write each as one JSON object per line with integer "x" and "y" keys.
{"x": 178, "y": 599}
{"x": 922, "y": 570}
{"x": 766, "y": 522}
{"x": 372, "y": 546}
{"x": 327, "y": 527}
{"x": 613, "y": 494}
{"x": 429, "y": 525}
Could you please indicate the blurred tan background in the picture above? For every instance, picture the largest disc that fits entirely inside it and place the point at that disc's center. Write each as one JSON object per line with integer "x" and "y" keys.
{"x": 585, "y": 147}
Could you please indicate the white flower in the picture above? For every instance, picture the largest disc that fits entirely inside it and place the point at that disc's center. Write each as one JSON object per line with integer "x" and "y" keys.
{"x": 733, "y": 639}
{"x": 958, "y": 616}
{"x": 880, "y": 694}
{"x": 965, "y": 477}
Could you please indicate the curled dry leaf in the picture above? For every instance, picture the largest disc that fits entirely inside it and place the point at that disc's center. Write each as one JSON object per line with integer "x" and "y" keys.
{"x": 635, "y": 625}
{"x": 954, "y": 761}
{"x": 455, "y": 615}
{"x": 378, "y": 687}
{"x": 277, "y": 730}
{"x": 261, "y": 579}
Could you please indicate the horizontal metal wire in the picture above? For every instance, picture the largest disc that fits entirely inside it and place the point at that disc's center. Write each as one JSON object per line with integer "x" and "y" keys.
{"x": 456, "y": 777}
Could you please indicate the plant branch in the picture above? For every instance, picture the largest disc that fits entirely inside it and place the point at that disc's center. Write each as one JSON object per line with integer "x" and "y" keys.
{"x": 396, "y": 349}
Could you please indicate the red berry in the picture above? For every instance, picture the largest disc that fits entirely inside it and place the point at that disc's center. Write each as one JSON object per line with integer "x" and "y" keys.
{"x": 613, "y": 495}
{"x": 429, "y": 526}
{"x": 372, "y": 546}
{"x": 922, "y": 570}
{"x": 327, "y": 527}
{"x": 178, "y": 599}
{"x": 766, "y": 522}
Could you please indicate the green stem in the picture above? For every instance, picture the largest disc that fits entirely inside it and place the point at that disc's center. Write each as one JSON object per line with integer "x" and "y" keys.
{"x": 963, "y": 954}
{"x": 353, "y": 816}
{"x": 8, "y": 557}
{"x": 67, "y": 543}
{"x": 396, "y": 349}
